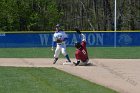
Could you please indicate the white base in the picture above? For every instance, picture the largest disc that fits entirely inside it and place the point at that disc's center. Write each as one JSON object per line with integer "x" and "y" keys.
{"x": 67, "y": 63}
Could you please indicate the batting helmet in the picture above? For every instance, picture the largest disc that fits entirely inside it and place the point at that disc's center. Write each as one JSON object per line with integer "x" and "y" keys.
{"x": 77, "y": 44}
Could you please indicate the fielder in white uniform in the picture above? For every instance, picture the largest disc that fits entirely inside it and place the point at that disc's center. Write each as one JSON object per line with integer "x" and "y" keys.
{"x": 60, "y": 46}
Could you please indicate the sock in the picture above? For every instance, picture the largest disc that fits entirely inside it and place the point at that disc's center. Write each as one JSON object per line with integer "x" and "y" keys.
{"x": 56, "y": 59}
{"x": 67, "y": 56}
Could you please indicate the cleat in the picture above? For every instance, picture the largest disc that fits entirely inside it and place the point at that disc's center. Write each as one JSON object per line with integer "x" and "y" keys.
{"x": 55, "y": 60}
{"x": 75, "y": 63}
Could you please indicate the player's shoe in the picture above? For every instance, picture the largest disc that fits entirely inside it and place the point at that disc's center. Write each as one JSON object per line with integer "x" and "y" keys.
{"x": 55, "y": 60}
{"x": 75, "y": 63}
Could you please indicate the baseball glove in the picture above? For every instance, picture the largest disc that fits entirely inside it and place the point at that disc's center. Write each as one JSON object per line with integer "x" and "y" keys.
{"x": 77, "y": 30}
{"x": 58, "y": 41}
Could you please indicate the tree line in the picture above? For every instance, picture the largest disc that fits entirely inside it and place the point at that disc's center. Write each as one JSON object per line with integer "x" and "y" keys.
{"x": 43, "y": 15}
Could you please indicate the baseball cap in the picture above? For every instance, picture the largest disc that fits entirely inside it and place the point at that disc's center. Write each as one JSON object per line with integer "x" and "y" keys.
{"x": 57, "y": 25}
{"x": 77, "y": 44}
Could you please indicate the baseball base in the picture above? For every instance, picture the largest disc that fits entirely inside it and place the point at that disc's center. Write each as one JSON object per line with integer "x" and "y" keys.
{"x": 67, "y": 63}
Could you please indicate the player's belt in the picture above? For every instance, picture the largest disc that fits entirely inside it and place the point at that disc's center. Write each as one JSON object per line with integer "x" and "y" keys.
{"x": 59, "y": 43}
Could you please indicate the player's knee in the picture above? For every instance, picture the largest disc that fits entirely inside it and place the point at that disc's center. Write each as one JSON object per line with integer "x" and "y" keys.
{"x": 55, "y": 56}
{"x": 64, "y": 53}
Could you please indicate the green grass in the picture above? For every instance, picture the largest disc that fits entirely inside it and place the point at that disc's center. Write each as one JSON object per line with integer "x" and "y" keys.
{"x": 116, "y": 53}
{"x": 94, "y": 52}
{"x": 44, "y": 80}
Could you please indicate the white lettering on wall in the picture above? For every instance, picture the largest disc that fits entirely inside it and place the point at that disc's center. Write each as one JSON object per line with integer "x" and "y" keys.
{"x": 44, "y": 39}
{"x": 73, "y": 39}
{"x": 95, "y": 39}
{"x": 91, "y": 39}
{"x": 2, "y": 34}
{"x": 99, "y": 39}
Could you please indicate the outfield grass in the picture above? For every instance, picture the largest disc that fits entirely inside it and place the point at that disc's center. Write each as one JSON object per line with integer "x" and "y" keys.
{"x": 44, "y": 80}
{"x": 116, "y": 53}
{"x": 94, "y": 52}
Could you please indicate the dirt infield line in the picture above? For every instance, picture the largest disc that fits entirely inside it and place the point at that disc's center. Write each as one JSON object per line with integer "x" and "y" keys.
{"x": 122, "y": 75}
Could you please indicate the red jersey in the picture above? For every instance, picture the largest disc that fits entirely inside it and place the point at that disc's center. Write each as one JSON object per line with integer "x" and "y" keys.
{"x": 81, "y": 53}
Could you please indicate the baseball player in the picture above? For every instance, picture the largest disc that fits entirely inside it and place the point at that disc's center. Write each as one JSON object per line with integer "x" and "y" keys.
{"x": 59, "y": 38}
{"x": 81, "y": 53}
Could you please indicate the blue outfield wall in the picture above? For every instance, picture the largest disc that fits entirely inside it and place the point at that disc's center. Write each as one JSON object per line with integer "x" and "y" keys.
{"x": 94, "y": 39}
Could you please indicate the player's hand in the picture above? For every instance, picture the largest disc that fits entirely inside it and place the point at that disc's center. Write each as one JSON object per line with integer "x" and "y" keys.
{"x": 77, "y": 30}
{"x": 52, "y": 49}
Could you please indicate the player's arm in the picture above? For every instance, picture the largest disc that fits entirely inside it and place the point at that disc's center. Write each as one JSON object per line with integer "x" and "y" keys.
{"x": 53, "y": 42}
{"x": 65, "y": 37}
{"x": 83, "y": 37}
{"x": 79, "y": 32}
{"x": 83, "y": 43}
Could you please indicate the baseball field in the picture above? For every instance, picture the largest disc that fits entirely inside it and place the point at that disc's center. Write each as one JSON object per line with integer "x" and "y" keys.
{"x": 30, "y": 70}
{"x": 94, "y": 52}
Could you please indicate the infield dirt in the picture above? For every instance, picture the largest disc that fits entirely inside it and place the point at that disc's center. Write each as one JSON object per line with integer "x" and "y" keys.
{"x": 122, "y": 75}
